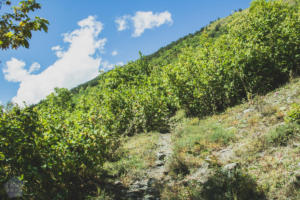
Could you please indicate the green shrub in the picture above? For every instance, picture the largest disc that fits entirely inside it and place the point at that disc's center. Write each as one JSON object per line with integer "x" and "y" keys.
{"x": 62, "y": 142}
{"x": 293, "y": 114}
{"x": 178, "y": 167}
{"x": 223, "y": 185}
{"x": 56, "y": 160}
{"x": 205, "y": 132}
{"x": 282, "y": 134}
{"x": 220, "y": 185}
{"x": 254, "y": 56}
{"x": 220, "y": 135}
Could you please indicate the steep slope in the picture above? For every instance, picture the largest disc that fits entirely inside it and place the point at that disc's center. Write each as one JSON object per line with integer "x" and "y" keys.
{"x": 250, "y": 151}
{"x": 66, "y": 143}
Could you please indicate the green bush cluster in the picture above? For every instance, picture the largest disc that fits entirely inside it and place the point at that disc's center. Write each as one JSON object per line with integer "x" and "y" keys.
{"x": 257, "y": 53}
{"x": 56, "y": 155}
{"x": 62, "y": 142}
{"x": 293, "y": 114}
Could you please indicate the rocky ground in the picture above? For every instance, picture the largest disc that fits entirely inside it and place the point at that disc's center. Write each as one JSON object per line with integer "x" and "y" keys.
{"x": 146, "y": 187}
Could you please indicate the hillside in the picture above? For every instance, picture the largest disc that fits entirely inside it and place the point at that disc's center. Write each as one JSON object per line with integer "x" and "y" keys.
{"x": 190, "y": 121}
{"x": 250, "y": 151}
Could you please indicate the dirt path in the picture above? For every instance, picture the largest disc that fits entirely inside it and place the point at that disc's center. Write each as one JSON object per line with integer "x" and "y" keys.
{"x": 145, "y": 189}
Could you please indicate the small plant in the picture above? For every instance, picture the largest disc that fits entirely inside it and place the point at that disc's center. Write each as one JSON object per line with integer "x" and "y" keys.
{"x": 294, "y": 114}
{"x": 220, "y": 135}
{"x": 282, "y": 134}
{"x": 220, "y": 185}
{"x": 268, "y": 110}
{"x": 178, "y": 166}
{"x": 229, "y": 184}
{"x": 135, "y": 155}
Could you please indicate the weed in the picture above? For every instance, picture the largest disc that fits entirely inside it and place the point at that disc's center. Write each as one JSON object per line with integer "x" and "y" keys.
{"x": 254, "y": 120}
{"x": 294, "y": 114}
{"x": 281, "y": 135}
{"x": 194, "y": 121}
{"x": 179, "y": 117}
{"x": 194, "y": 142}
{"x": 220, "y": 135}
{"x": 137, "y": 154}
{"x": 221, "y": 185}
{"x": 268, "y": 110}
{"x": 234, "y": 184}
{"x": 178, "y": 166}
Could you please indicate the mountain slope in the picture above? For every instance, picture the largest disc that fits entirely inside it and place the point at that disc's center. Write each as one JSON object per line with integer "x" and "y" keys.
{"x": 64, "y": 143}
{"x": 250, "y": 151}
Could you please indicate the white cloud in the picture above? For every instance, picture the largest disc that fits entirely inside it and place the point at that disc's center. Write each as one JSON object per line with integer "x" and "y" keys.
{"x": 148, "y": 20}
{"x": 108, "y": 66}
{"x": 76, "y": 65}
{"x": 15, "y": 71}
{"x": 58, "y": 51}
{"x": 56, "y": 48}
{"x": 144, "y": 20}
{"x": 122, "y": 22}
{"x": 114, "y": 53}
{"x": 34, "y": 67}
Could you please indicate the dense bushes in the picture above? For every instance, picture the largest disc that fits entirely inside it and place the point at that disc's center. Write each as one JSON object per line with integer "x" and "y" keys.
{"x": 61, "y": 143}
{"x": 259, "y": 52}
{"x": 57, "y": 157}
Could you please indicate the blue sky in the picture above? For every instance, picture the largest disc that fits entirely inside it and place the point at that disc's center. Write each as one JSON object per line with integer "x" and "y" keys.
{"x": 85, "y": 36}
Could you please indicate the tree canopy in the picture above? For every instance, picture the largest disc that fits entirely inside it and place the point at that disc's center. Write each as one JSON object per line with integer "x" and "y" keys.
{"x": 17, "y": 25}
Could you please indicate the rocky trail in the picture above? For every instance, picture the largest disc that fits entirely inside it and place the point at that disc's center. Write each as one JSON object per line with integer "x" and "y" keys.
{"x": 146, "y": 188}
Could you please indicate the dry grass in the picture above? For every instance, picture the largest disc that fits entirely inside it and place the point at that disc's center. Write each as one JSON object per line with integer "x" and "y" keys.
{"x": 137, "y": 154}
{"x": 257, "y": 145}
{"x": 248, "y": 130}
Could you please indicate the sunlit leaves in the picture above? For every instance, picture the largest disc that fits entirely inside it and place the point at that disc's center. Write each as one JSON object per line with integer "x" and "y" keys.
{"x": 16, "y": 27}
{"x": 66, "y": 138}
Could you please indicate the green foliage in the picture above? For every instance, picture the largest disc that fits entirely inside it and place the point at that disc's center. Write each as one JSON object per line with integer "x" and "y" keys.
{"x": 16, "y": 27}
{"x": 282, "y": 134}
{"x": 56, "y": 154}
{"x": 265, "y": 41}
{"x": 221, "y": 184}
{"x": 248, "y": 53}
{"x": 61, "y": 143}
{"x": 256, "y": 54}
{"x": 18, "y": 148}
{"x": 194, "y": 142}
{"x": 294, "y": 114}
{"x": 225, "y": 184}
{"x": 190, "y": 136}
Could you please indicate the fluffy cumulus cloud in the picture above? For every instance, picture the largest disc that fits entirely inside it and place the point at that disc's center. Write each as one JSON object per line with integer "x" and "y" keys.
{"x": 15, "y": 71}
{"x": 75, "y": 65}
{"x": 148, "y": 20}
{"x": 144, "y": 20}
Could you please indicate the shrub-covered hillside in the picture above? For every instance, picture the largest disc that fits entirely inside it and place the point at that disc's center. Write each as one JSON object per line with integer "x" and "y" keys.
{"x": 58, "y": 147}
